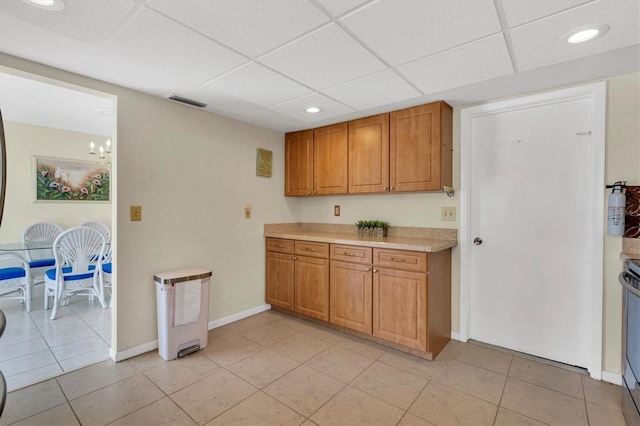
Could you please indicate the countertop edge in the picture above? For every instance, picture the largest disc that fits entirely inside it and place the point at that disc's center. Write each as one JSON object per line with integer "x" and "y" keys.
{"x": 429, "y": 245}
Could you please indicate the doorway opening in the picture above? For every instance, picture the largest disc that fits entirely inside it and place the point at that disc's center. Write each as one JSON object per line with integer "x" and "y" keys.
{"x": 50, "y": 118}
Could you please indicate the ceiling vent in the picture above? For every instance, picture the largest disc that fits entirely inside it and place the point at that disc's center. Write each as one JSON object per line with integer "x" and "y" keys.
{"x": 182, "y": 100}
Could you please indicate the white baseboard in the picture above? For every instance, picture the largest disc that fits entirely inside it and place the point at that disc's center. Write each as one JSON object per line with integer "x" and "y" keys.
{"x": 236, "y": 317}
{"x": 610, "y": 377}
{"x": 455, "y": 335}
{"x": 135, "y": 351}
{"x": 149, "y": 346}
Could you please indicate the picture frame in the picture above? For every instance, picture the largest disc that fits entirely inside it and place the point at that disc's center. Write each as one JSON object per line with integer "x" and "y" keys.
{"x": 70, "y": 180}
{"x": 264, "y": 162}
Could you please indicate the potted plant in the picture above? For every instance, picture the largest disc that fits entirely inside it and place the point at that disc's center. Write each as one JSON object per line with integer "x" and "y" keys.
{"x": 372, "y": 228}
{"x": 381, "y": 227}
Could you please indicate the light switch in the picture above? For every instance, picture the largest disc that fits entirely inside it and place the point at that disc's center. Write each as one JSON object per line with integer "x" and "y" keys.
{"x": 336, "y": 210}
{"x": 136, "y": 213}
{"x": 247, "y": 211}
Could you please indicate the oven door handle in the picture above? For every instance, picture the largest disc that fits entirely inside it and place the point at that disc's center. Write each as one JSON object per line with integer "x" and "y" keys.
{"x": 623, "y": 282}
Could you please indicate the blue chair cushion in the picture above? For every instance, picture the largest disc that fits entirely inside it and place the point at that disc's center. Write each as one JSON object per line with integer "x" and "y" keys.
{"x": 106, "y": 267}
{"x": 11, "y": 273}
{"x": 41, "y": 263}
{"x": 51, "y": 274}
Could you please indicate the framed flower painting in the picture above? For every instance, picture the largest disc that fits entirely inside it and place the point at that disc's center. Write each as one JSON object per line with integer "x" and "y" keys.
{"x": 59, "y": 179}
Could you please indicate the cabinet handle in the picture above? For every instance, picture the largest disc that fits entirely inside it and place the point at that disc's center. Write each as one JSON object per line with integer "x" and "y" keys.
{"x": 367, "y": 269}
{"x": 291, "y": 257}
{"x": 280, "y": 245}
{"x": 310, "y": 249}
{"x": 348, "y": 254}
{"x": 375, "y": 270}
{"x": 395, "y": 259}
{"x": 309, "y": 192}
{"x": 391, "y": 189}
{"x": 385, "y": 188}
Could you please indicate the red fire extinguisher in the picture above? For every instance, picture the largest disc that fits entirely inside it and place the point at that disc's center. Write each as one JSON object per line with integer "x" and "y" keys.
{"x": 616, "y": 209}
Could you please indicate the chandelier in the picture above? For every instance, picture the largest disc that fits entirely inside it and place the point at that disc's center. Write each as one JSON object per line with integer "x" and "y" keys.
{"x": 104, "y": 156}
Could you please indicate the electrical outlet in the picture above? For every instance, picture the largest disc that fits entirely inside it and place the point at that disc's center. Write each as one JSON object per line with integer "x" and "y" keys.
{"x": 136, "y": 213}
{"x": 336, "y": 210}
{"x": 448, "y": 213}
{"x": 247, "y": 211}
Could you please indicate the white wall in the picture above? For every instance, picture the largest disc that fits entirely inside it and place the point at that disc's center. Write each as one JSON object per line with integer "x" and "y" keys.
{"x": 23, "y": 141}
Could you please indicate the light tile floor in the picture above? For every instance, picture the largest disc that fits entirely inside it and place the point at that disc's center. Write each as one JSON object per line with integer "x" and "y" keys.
{"x": 274, "y": 369}
{"x": 33, "y": 348}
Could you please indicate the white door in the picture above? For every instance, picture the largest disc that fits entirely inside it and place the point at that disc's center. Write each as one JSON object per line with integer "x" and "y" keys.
{"x": 530, "y": 226}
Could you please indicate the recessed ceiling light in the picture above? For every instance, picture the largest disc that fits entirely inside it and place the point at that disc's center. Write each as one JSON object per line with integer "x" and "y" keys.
{"x": 46, "y": 4}
{"x": 313, "y": 110}
{"x": 587, "y": 33}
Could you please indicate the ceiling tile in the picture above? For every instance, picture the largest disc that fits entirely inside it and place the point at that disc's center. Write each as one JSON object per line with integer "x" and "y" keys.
{"x": 248, "y": 26}
{"x": 543, "y": 42}
{"x": 402, "y": 30}
{"x": 296, "y": 108}
{"x": 152, "y": 39}
{"x": 385, "y": 87}
{"x": 474, "y": 62}
{"x": 323, "y": 59}
{"x": 77, "y": 20}
{"x": 519, "y": 12}
{"x": 338, "y": 7}
{"x": 257, "y": 84}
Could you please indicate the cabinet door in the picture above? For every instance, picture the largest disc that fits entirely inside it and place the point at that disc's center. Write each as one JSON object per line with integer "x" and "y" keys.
{"x": 420, "y": 148}
{"x": 330, "y": 152}
{"x": 350, "y": 296}
{"x": 369, "y": 154}
{"x": 400, "y": 307}
{"x": 298, "y": 173}
{"x": 312, "y": 287}
{"x": 279, "y": 277}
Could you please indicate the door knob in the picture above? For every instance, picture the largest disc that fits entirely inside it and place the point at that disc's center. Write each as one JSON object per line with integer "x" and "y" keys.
{"x": 477, "y": 241}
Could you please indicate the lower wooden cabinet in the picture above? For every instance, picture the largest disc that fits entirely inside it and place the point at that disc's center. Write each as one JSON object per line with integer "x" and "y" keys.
{"x": 351, "y": 296}
{"x": 298, "y": 283}
{"x": 279, "y": 277}
{"x": 312, "y": 287}
{"x": 396, "y": 297}
{"x": 400, "y": 307}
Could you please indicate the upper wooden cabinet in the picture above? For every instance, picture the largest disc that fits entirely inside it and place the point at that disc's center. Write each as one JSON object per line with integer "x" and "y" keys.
{"x": 369, "y": 154}
{"x": 403, "y": 151}
{"x": 420, "y": 148}
{"x": 316, "y": 161}
{"x": 330, "y": 160}
{"x": 298, "y": 163}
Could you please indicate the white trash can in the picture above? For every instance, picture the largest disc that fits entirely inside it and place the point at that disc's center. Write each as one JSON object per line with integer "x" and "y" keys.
{"x": 183, "y": 311}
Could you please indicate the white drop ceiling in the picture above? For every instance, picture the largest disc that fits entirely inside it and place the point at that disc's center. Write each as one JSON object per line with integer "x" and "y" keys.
{"x": 265, "y": 61}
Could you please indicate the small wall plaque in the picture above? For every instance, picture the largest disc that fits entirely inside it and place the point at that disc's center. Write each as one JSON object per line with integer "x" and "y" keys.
{"x": 264, "y": 160}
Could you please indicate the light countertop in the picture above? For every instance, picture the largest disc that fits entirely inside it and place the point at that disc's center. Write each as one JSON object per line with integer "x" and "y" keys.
{"x": 416, "y": 239}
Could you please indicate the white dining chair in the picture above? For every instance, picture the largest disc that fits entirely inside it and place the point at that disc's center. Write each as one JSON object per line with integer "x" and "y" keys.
{"x": 15, "y": 281}
{"x": 106, "y": 262}
{"x": 79, "y": 253}
{"x": 42, "y": 259}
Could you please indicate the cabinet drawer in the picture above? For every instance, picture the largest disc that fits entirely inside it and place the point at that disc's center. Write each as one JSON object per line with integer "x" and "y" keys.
{"x": 400, "y": 259}
{"x": 280, "y": 245}
{"x": 354, "y": 254}
{"x": 308, "y": 248}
